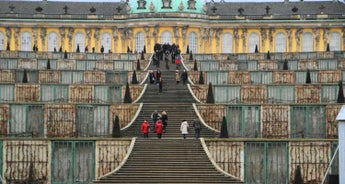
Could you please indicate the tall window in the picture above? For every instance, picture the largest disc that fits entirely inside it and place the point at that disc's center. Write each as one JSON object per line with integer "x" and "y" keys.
{"x": 166, "y": 37}
{"x": 140, "y": 40}
{"x": 2, "y": 41}
{"x": 26, "y": 41}
{"x": 307, "y": 42}
{"x": 79, "y": 39}
{"x": 193, "y": 42}
{"x": 227, "y": 43}
{"x": 106, "y": 42}
{"x": 335, "y": 42}
{"x": 254, "y": 40}
{"x": 53, "y": 40}
{"x": 280, "y": 42}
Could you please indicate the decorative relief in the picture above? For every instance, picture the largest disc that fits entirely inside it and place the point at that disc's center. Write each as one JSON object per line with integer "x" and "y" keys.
{"x": 244, "y": 38}
{"x": 16, "y": 37}
{"x": 325, "y": 36}
{"x": 141, "y": 4}
{"x": 191, "y": 5}
{"x": 166, "y": 4}
{"x": 263, "y": 37}
{"x": 298, "y": 37}
{"x": 88, "y": 36}
{"x": 152, "y": 7}
{"x": 35, "y": 35}
{"x": 181, "y": 6}
{"x": 316, "y": 33}
{"x": 289, "y": 38}
{"x": 147, "y": 32}
{"x": 8, "y": 34}
{"x": 43, "y": 35}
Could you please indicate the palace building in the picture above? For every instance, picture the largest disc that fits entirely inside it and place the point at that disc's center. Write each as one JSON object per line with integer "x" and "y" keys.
{"x": 264, "y": 78}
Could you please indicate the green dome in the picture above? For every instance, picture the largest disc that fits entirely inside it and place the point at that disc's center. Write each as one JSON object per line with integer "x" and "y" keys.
{"x": 158, "y": 6}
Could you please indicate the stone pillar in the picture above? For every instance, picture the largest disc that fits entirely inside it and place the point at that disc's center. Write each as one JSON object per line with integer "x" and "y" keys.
{"x": 43, "y": 34}
{"x": 115, "y": 37}
{"x": 244, "y": 39}
{"x": 316, "y": 32}
{"x": 62, "y": 36}
{"x": 16, "y": 38}
{"x": 8, "y": 35}
{"x": 70, "y": 39}
{"x": 236, "y": 38}
{"x": 341, "y": 143}
{"x": 96, "y": 35}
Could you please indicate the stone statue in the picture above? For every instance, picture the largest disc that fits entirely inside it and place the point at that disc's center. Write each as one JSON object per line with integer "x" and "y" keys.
{"x": 298, "y": 37}
{"x": 62, "y": 35}
{"x": 244, "y": 39}
{"x": 316, "y": 32}
{"x": 8, "y": 34}
{"x": 16, "y": 37}
{"x": 263, "y": 37}
{"x": 35, "y": 35}
{"x": 88, "y": 35}
{"x": 325, "y": 36}
{"x": 43, "y": 34}
{"x": 70, "y": 37}
{"x": 289, "y": 37}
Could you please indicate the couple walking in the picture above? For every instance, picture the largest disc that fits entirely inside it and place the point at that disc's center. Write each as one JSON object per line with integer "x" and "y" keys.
{"x": 185, "y": 127}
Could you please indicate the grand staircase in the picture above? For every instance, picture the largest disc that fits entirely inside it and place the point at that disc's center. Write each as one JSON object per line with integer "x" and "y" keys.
{"x": 170, "y": 159}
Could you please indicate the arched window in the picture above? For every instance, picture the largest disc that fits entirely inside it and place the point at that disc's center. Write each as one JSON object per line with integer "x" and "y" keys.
{"x": 53, "y": 40}
{"x": 106, "y": 42}
{"x": 254, "y": 40}
{"x": 307, "y": 42}
{"x": 2, "y": 41}
{"x": 193, "y": 42}
{"x": 26, "y": 41}
{"x": 334, "y": 42}
{"x": 140, "y": 40}
{"x": 280, "y": 42}
{"x": 79, "y": 39}
{"x": 166, "y": 37}
{"x": 227, "y": 43}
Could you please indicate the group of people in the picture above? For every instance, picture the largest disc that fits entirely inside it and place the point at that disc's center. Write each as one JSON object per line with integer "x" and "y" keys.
{"x": 159, "y": 124}
{"x": 156, "y": 78}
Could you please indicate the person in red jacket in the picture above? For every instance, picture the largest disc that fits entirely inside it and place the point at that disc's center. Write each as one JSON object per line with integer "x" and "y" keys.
{"x": 145, "y": 127}
{"x": 159, "y": 128}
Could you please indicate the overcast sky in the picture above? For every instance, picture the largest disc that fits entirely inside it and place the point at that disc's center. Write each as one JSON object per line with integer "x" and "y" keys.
{"x": 202, "y": 0}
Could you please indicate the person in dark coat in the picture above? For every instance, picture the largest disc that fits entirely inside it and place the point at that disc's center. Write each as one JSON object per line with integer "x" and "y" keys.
{"x": 184, "y": 76}
{"x": 160, "y": 86}
{"x": 158, "y": 76}
{"x": 102, "y": 49}
{"x": 164, "y": 120}
{"x": 151, "y": 76}
{"x": 197, "y": 127}
{"x": 155, "y": 116}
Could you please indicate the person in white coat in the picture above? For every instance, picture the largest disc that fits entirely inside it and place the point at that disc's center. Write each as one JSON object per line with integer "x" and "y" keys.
{"x": 184, "y": 128}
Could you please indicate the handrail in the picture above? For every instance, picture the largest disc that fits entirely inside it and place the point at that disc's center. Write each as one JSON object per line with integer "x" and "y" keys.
{"x": 329, "y": 166}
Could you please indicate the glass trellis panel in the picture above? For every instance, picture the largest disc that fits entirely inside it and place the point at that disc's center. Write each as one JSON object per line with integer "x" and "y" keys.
{"x": 227, "y": 43}
{"x": 53, "y": 40}
{"x": 317, "y": 125}
{"x": 42, "y": 64}
{"x": 90, "y": 65}
{"x": 277, "y": 170}
{"x": 251, "y": 118}
{"x": 81, "y": 65}
{"x": 266, "y": 162}
{"x": 220, "y": 94}
{"x": 84, "y": 120}
{"x": 101, "y": 121}
{"x": 329, "y": 93}
{"x": 209, "y": 65}
{"x": 335, "y": 41}
{"x": 234, "y": 120}
{"x": 308, "y": 121}
{"x": 217, "y": 77}
{"x": 115, "y": 94}
{"x": 301, "y": 77}
{"x": 123, "y": 65}
{"x": 84, "y": 171}
{"x": 6, "y": 93}
{"x": 303, "y": 55}
{"x": 193, "y": 42}
{"x": 258, "y": 77}
{"x": 252, "y": 65}
{"x": 18, "y": 119}
{"x": 1, "y": 158}
{"x": 280, "y": 42}
{"x": 54, "y": 93}
{"x": 307, "y": 42}
{"x": 78, "y": 77}
{"x": 312, "y": 55}
{"x": 106, "y": 42}
{"x": 62, "y": 162}
{"x": 79, "y": 39}
{"x": 31, "y": 74}
{"x": 242, "y": 66}
{"x": 293, "y": 65}
{"x": 66, "y": 77}
{"x": 140, "y": 40}
{"x": 280, "y": 94}
{"x": 335, "y": 164}
{"x": 36, "y": 120}
{"x": 26, "y": 41}
{"x": 327, "y": 64}
{"x": 254, "y": 40}
{"x": 2, "y": 41}
{"x": 254, "y": 162}
{"x": 166, "y": 37}
{"x": 101, "y": 94}
{"x": 242, "y": 57}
